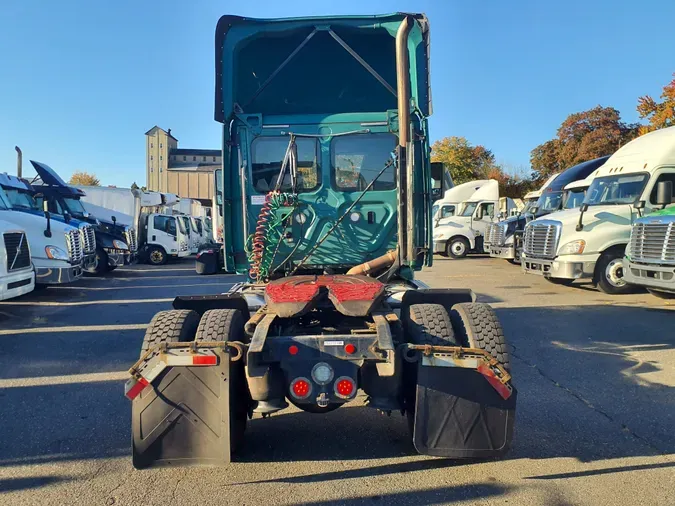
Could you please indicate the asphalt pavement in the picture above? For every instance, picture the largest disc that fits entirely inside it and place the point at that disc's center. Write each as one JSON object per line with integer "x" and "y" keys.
{"x": 595, "y": 421}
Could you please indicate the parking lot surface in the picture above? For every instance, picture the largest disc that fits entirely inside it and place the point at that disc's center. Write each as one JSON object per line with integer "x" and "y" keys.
{"x": 595, "y": 421}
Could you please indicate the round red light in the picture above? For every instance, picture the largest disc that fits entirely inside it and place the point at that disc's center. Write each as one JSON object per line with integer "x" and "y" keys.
{"x": 344, "y": 387}
{"x": 293, "y": 349}
{"x": 301, "y": 388}
{"x": 350, "y": 349}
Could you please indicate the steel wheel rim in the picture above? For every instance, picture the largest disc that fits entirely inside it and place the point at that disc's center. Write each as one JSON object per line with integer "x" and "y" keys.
{"x": 458, "y": 248}
{"x": 614, "y": 273}
{"x": 156, "y": 256}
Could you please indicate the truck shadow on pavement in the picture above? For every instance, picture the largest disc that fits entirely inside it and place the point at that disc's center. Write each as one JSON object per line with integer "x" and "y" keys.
{"x": 594, "y": 383}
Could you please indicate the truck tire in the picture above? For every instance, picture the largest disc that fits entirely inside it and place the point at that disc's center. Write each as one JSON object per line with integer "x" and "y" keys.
{"x": 157, "y": 255}
{"x": 660, "y": 294}
{"x": 560, "y": 281}
{"x": 457, "y": 247}
{"x": 430, "y": 324}
{"x": 101, "y": 261}
{"x": 228, "y": 325}
{"x": 476, "y": 325}
{"x": 221, "y": 325}
{"x": 174, "y": 326}
{"x": 609, "y": 273}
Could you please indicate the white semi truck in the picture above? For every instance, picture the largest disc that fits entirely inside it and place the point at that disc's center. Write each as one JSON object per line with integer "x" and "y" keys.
{"x": 452, "y": 200}
{"x": 17, "y": 275}
{"x": 464, "y": 233}
{"x": 157, "y": 234}
{"x": 590, "y": 242}
{"x": 56, "y": 248}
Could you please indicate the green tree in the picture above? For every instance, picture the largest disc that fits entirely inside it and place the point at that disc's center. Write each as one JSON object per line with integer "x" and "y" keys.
{"x": 658, "y": 114}
{"x": 82, "y": 178}
{"x": 582, "y": 136}
{"x": 464, "y": 161}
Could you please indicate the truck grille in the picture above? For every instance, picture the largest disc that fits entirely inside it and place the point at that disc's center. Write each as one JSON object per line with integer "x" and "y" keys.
{"x": 653, "y": 242}
{"x": 487, "y": 238}
{"x": 88, "y": 239}
{"x": 541, "y": 239}
{"x": 130, "y": 235}
{"x": 74, "y": 243}
{"x": 18, "y": 254}
{"x": 498, "y": 234}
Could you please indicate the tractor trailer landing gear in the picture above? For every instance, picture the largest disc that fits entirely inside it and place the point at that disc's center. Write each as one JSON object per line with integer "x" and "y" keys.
{"x": 314, "y": 341}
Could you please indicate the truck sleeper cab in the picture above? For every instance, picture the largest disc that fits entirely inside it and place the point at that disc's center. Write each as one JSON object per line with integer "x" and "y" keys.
{"x": 506, "y": 236}
{"x": 591, "y": 242}
{"x": 17, "y": 275}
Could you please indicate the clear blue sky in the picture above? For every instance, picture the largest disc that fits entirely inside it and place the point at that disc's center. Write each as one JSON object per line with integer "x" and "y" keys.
{"x": 83, "y": 80}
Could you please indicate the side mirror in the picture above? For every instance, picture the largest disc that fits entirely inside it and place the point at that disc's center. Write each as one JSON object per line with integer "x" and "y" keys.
{"x": 664, "y": 193}
{"x": 114, "y": 219}
{"x": 66, "y": 216}
{"x": 534, "y": 209}
{"x": 584, "y": 207}
{"x": 479, "y": 213}
{"x": 640, "y": 204}
{"x": 45, "y": 206}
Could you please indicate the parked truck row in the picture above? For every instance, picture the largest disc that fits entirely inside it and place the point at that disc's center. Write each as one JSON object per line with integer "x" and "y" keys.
{"x": 53, "y": 232}
{"x": 609, "y": 220}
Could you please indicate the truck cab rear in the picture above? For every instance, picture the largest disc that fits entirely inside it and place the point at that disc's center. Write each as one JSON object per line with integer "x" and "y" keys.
{"x": 326, "y": 208}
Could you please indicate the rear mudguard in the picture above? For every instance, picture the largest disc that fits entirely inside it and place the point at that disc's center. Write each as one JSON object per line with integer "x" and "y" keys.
{"x": 186, "y": 416}
{"x": 458, "y": 414}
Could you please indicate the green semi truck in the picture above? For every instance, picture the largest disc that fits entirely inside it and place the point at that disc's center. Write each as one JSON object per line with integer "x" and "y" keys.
{"x": 326, "y": 210}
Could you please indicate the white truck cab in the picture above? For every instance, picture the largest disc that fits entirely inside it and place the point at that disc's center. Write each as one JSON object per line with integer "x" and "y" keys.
{"x": 590, "y": 242}
{"x": 17, "y": 275}
{"x": 451, "y": 203}
{"x": 166, "y": 236}
{"x": 463, "y": 233}
{"x": 56, "y": 248}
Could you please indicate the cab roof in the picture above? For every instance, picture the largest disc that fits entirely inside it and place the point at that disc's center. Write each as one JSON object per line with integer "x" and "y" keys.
{"x": 316, "y": 65}
{"x": 9, "y": 181}
{"x": 644, "y": 154}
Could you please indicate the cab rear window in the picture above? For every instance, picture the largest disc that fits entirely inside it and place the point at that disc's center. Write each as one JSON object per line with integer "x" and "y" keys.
{"x": 357, "y": 159}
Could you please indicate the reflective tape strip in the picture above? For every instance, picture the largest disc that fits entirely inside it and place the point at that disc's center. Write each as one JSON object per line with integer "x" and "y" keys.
{"x": 502, "y": 389}
{"x": 134, "y": 387}
{"x": 202, "y": 358}
{"x": 448, "y": 360}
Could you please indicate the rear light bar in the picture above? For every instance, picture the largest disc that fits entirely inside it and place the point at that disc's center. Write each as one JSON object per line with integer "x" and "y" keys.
{"x": 150, "y": 369}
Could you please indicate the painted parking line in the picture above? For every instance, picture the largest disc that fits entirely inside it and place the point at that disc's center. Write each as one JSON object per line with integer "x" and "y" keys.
{"x": 83, "y": 303}
{"x": 137, "y": 278}
{"x": 74, "y": 328}
{"x": 136, "y": 287}
{"x": 93, "y": 377}
{"x": 156, "y": 270}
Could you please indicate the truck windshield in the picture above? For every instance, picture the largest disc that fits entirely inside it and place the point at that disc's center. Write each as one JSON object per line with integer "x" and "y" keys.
{"x": 20, "y": 199}
{"x": 469, "y": 208}
{"x": 268, "y": 153}
{"x": 357, "y": 159}
{"x": 549, "y": 202}
{"x": 574, "y": 198}
{"x": 186, "y": 225}
{"x": 193, "y": 222}
{"x": 528, "y": 206}
{"x": 181, "y": 226}
{"x": 199, "y": 226}
{"x": 620, "y": 189}
{"x": 74, "y": 206}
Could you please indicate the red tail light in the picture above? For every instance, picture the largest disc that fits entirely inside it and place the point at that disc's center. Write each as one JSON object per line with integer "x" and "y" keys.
{"x": 350, "y": 349}
{"x": 293, "y": 349}
{"x": 345, "y": 387}
{"x": 301, "y": 388}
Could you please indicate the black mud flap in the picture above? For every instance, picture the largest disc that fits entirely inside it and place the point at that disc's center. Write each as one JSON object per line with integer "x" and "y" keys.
{"x": 458, "y": 414}
{"x": 185, "y": 416}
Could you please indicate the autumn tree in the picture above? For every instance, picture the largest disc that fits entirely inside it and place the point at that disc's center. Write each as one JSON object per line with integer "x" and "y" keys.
{"x": 659, "y": 114}
{"x": 581, "y": 137}
{"x": 464, "y": 161}
{"x": 513, "y": 182}
{"x": 81, "y": 178}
